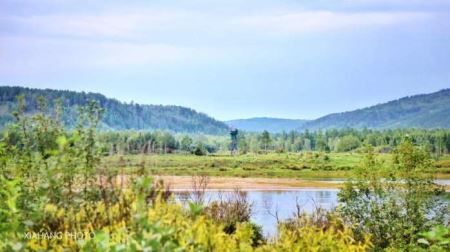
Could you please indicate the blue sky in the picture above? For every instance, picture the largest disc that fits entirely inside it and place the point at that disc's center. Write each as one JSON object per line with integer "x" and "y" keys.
{"x": 228, "y": 58}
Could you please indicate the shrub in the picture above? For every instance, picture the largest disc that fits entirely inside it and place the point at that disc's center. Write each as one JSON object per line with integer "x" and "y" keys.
{"x": 394, "y": 206}
{"x": 230, "y": 210}
{"x": 200, "y": 150}
{"x": 305, "y": 233}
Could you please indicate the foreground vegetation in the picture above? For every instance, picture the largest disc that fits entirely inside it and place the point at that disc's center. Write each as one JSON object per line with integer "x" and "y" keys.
{"x": 57, "y": 194}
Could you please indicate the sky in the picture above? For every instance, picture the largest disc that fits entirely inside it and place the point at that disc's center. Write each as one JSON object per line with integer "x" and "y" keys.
{"x": 230, "y": 59}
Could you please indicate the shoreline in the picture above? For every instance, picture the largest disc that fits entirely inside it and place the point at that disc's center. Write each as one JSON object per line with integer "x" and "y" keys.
{"x": 185, "y": 183}
{"x": 247, "y": 184}
{"x": 305, "y": 189}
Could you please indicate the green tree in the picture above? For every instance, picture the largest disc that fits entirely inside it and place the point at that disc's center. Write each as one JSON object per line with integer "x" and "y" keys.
{"x": 348, "y": 143}
{"x": 243, "y": 145}
{"x": 186, "y": 143}
{"x": 265, "y": 139}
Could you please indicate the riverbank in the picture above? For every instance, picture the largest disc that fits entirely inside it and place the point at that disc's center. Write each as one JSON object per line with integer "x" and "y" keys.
{"x": 185, "y": 183}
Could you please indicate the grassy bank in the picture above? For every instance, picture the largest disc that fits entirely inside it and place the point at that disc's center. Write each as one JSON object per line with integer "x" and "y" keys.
{"x": 272, "y": 165}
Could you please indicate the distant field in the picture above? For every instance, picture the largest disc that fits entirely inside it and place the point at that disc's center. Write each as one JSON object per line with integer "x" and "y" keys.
{"x": 274, "y": 165}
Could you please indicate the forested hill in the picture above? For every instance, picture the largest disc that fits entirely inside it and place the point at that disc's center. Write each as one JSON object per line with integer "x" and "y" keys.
{"x": 419, "y": 111}
{"x": 117, "y": 116}
{"x": 274, "y": 125}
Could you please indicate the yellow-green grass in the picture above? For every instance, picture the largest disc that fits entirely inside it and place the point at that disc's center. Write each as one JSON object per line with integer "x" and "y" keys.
{"x": 275, "y": 165}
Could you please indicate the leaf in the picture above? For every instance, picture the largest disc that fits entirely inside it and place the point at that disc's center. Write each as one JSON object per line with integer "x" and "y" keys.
{"x": 195, "y": 209}
{"x": 423, "y": 241}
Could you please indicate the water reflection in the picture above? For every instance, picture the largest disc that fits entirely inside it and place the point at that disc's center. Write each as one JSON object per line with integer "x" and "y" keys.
{"x": 268, "y": 206}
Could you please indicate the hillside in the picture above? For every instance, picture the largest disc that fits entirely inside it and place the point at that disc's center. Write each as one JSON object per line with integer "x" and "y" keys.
{"x": 418, "y": 111}
{"x": 259, "y": 124}
{"x": 118, "y": 115}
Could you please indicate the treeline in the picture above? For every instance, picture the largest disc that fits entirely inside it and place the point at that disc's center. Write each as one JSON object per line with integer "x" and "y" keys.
{"x": 117, "y": 115}
{"x": 342, "y": 140}
{"x": 133, "y": 142}
{"x": 159, "y": 142}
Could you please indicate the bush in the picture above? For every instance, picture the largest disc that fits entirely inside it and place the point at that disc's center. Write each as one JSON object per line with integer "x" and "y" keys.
{"x": 200, "y": 150}
{"x": 230, "y": 210}
{"x": 394, "y": 206}
{"x": 316, "y": 233}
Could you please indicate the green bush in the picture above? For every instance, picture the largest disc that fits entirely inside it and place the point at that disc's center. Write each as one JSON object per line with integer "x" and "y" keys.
{"x": 394, "y": 205}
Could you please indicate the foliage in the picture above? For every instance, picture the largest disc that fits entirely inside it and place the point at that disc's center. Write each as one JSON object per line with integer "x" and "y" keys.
{"x": 305, "y": 233}
{"x": 200, "y": 150}
{"x": 230, "y": 210}
{"x": 10, "y": 216}
{"x": 265, "y": 139}
{"x": 436, "y": 141}
{"x": 186, "y": 143}
{"x": 348, "y": 143}
{"x": 437, "y": 239}
{"x": 394, "y": 205}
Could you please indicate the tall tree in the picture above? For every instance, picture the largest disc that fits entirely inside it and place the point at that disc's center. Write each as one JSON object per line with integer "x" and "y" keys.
{"x": 265, "y": 139}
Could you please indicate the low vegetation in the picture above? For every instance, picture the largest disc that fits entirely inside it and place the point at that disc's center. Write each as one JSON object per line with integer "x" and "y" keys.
{"x": 271, "y": 165}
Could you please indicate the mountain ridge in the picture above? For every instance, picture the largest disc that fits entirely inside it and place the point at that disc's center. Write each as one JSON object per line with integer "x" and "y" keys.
{"x": 430, "y": 110}
{"x": 118, "y": 115}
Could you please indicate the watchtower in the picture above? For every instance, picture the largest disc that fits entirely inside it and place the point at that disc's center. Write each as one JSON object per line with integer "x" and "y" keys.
{"x": 234, "y": 144}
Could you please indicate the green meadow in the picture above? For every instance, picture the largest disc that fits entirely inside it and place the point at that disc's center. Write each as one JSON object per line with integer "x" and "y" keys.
{"x": 313, "y": 165}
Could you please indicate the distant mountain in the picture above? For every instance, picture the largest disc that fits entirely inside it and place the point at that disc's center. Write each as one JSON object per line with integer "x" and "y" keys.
{"x": 259, "y": 124}
{"x": 118, "y": 115}
{"x": 418, "y": 111}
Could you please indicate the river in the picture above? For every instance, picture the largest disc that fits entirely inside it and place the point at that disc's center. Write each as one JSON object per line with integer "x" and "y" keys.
{"x": 267, "y": 204}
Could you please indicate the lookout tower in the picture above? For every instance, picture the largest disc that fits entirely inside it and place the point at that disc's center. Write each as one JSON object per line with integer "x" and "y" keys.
{"x": 233, "y": 145}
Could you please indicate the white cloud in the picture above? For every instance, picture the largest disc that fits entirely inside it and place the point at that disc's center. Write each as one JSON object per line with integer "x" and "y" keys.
{"x": 24, "y": 55}
{"x": 120, "y": 24}
{"x": 163, "y": 25}
{"x": 158, "y": 37}
{"x": 321, "y": 21}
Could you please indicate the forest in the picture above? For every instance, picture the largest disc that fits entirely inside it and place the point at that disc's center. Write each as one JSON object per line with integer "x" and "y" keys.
{"x": 117, "y": 115}
{"x": 436, "y": 141}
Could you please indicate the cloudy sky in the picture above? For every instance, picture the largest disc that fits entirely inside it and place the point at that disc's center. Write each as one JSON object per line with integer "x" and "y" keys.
{"x": 229, "y": 58}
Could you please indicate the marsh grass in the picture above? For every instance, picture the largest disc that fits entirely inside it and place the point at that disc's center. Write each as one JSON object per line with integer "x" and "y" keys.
{"x": 279, "y": 165}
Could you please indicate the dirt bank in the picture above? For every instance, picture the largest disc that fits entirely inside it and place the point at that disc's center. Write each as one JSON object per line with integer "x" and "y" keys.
{"x": 248, "y": 184}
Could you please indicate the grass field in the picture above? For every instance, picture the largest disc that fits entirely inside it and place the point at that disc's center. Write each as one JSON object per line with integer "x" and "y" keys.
{"x": 274, "y": 165}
